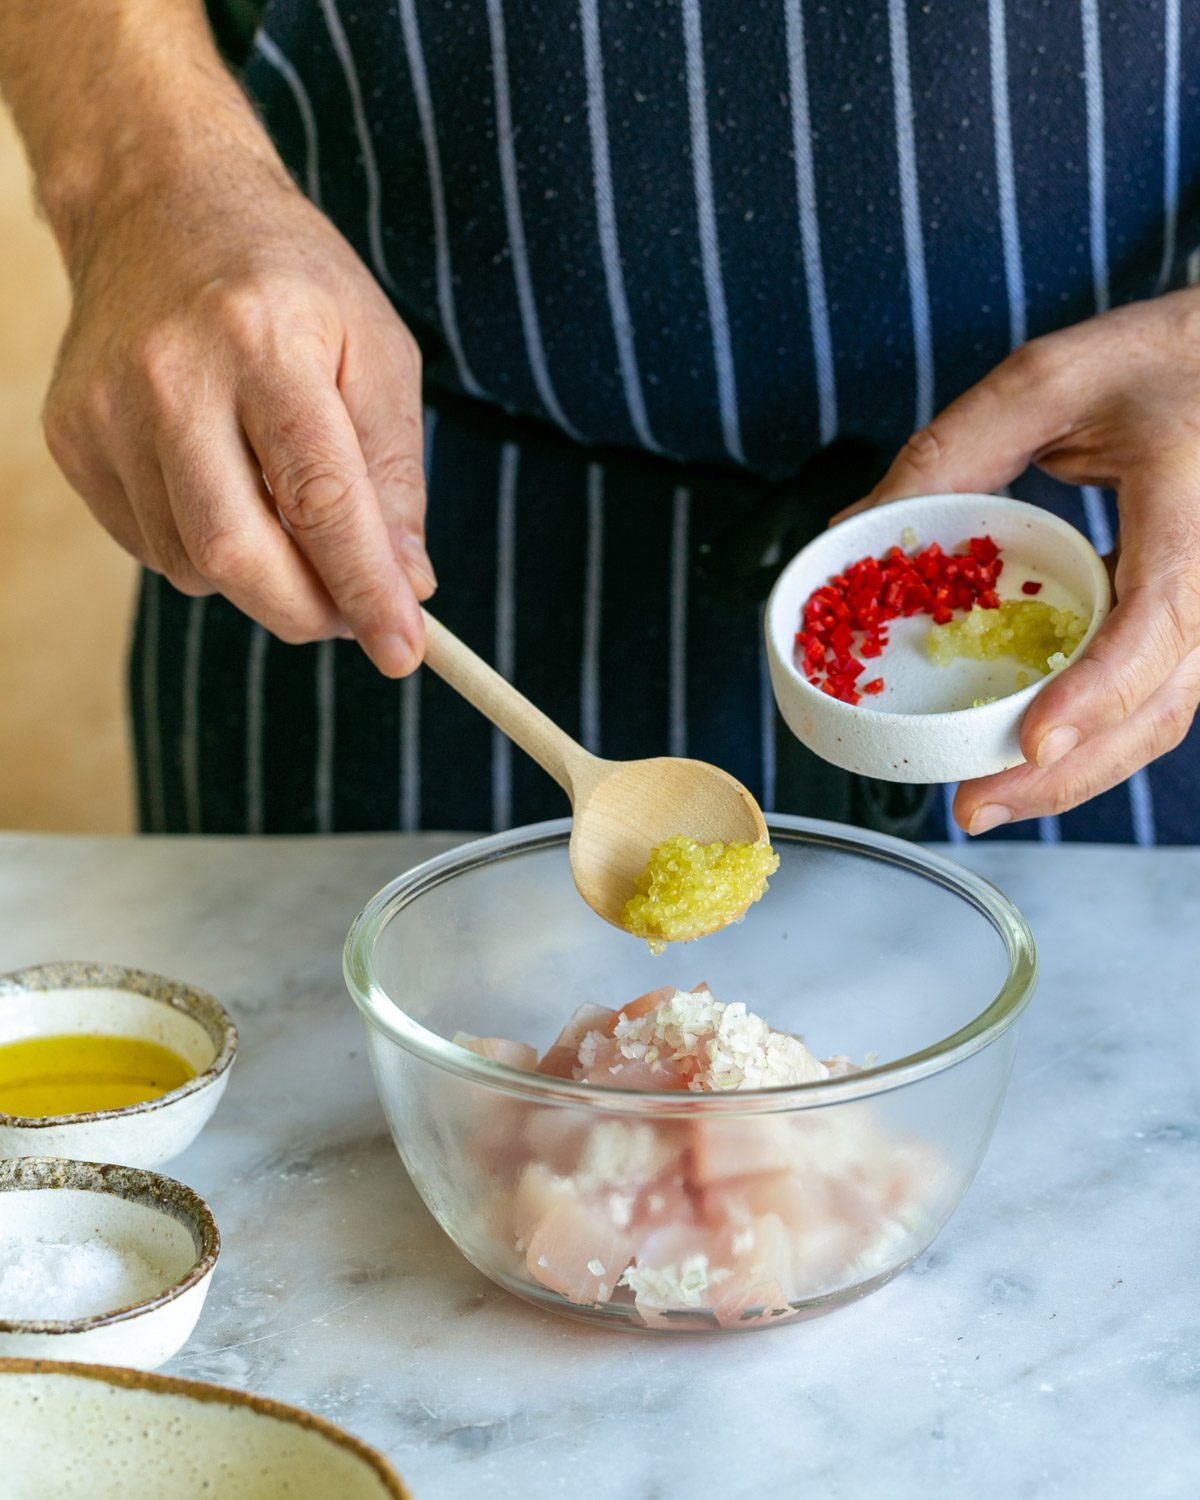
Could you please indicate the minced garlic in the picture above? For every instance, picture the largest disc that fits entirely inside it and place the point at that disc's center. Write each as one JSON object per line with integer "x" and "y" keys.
{"x": 689, "y": 889}
{"x": 1036, "y": 634}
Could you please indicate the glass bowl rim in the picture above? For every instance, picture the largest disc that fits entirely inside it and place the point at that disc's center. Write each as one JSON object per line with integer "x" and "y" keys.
{"x": 382, "y": 1012}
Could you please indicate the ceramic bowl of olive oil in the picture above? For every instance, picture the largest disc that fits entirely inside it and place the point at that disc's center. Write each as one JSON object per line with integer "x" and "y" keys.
{"x": 107, "y": 1064}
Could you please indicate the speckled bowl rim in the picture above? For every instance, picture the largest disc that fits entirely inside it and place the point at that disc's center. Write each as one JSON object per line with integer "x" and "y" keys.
{"x": 152, "y": 1190}
{"x": 383, "y": 1013}
{"x": 79, "y": 974}
{"x": 223, "y": 1395}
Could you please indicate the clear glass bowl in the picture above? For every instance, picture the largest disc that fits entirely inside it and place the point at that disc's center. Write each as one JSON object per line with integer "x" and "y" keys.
{"x": 737, "y": 1210}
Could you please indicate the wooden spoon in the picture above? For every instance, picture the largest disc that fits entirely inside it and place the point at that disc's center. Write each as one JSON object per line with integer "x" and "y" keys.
{"x": 622, "y": 808}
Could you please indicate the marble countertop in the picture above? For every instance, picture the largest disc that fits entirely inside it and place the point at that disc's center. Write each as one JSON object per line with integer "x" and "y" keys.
{"x": 1048, "y": 1345}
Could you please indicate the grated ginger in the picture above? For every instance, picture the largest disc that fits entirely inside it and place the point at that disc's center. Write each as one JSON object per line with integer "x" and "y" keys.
{"x": 689, "y": 889}
{"x": 1037, "y": 635}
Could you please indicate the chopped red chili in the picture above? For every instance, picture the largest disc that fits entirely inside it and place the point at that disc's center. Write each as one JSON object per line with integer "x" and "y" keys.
{"x": 846, "y": 619}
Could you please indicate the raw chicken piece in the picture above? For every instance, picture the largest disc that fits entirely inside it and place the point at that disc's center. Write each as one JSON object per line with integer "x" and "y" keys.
{"x": 512, "y": 1054}
{"x": 578, "y": 1252}
{"x": 560, "y": 1059}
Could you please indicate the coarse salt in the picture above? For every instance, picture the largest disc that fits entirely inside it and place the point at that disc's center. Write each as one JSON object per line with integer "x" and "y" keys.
{"x": 734, "y": 1048}
{"x": 54, "y": 1280}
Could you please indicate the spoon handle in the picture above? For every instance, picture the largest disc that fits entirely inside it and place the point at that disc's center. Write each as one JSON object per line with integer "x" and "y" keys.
{"x": 511, "y": 712}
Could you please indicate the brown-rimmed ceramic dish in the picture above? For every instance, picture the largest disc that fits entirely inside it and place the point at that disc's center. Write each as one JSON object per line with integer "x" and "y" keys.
{"x": 107, "y": 999}
{"x": 106, "y": 1433}
{"x": 165, "y": 1229}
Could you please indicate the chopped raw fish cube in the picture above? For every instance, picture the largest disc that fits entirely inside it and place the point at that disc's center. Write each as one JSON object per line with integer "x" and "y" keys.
{"x": 724, "y": 1147}
{"x": 560, "y": 1059}
{"x": 578, "y": 1252}
{"x": 512, "y": 1054}
{"x": 642, "y": 1006}
{"x": 538, "y": 1191}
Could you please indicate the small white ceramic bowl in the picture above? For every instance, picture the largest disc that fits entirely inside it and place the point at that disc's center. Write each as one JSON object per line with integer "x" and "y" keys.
{"x": 106, "y": 999}
{"x": 107, "y": 1434}
{"x": 166, "y": 1225}
{"x": 921, "y": 728}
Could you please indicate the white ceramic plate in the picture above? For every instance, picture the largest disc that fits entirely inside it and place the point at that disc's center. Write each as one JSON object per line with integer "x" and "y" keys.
{"x": 107, "y": 999}
{"x": 73, "y": 1431}
{"x": 921, "y": 728}
{"x": 165, "y": 1225}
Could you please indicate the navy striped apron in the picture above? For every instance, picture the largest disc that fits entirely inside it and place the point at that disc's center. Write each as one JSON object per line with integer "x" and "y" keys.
{"x": 684, "y": 273}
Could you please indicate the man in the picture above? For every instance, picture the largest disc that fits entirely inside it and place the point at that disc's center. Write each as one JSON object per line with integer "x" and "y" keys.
{"x": 643, "y": 265}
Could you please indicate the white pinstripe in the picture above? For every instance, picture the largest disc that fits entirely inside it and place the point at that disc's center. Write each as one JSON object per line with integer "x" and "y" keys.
{"x": 910, "y": 212}
{"x": 1170, "y": 140}
{"x": 1006, "y": 186}
{"x": 410, "y": 690}
{"x": 152, "y": 722}
{"x": 365, "y": 145}
{"x": 606, "y": 224}
{"x": 1093, "y": 83}
{"x": 506, "y": 544}
{"x": 308, "y": 121}
{"x": 677, "y": 641}
{"x": 516, "y": 228}
{"x": 706, "y": 219}
{"x": 326, "y": 696}
{"x": 766, "y": 718}
{"x": 593, "y": 598}
{"x": 189, "y": 744}
{"x": 1141, "y": 798}
{"x": 810, "y": 227}
{"x": 437, "y": 193}
{"x": 256, "y": 671}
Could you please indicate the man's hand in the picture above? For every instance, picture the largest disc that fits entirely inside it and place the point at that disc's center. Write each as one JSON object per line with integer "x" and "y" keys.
{"x": 1113, "y": 402}
{"x": 235, "y": 398}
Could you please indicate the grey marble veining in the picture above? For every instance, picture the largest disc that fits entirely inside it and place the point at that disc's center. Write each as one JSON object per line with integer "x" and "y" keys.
{"x": 1047, "y": 1345}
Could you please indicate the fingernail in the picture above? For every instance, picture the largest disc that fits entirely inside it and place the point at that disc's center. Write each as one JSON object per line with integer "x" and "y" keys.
{"x": 394, "y": 656}
{"x": 991, "y": 815}
{"x": 415, "y": 556}
{"x": 1056, "y": 744}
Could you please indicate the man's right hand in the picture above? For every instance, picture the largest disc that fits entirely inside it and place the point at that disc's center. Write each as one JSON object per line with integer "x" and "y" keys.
{"x": 236, "y": 399}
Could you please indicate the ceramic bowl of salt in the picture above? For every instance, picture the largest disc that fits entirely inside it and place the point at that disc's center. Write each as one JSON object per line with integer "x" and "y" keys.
{"x": 941, "y": 696}
{"x": 100, "y": 1263}
{"x": 103, "y": 1063}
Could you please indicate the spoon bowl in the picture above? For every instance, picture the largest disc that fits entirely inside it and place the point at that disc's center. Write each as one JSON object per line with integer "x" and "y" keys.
{"x": 631, "y": 806}
{"x": 623, "y": 808}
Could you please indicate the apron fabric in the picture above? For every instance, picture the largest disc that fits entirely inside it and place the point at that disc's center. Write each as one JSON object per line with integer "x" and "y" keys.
{"x": 684, "y": 274}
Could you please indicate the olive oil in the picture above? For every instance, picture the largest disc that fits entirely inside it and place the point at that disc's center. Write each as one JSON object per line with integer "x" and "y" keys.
{"x": 76, "y": 1074}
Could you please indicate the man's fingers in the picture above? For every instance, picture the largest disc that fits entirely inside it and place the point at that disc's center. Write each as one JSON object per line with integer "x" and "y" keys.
{"x": 380, "y": 382}
{"x": 140, "y": 475}
{"x": 310, "y": 455}
{"x": 1153, "y": 629}
{"x": 1031, "y": 791}
{"x": 232, "y": 533}
{"x": 989, "y": 435}
{"x": 91, "y": 477}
